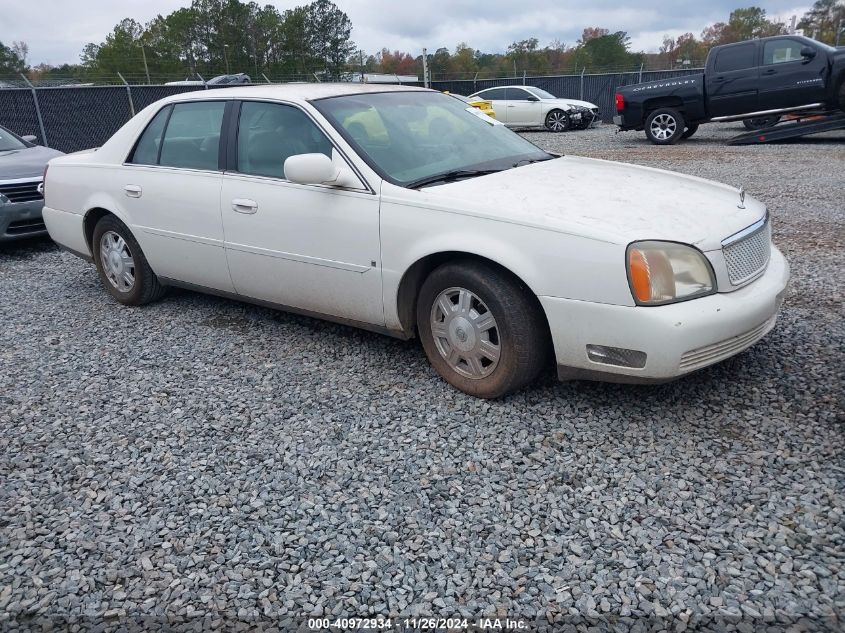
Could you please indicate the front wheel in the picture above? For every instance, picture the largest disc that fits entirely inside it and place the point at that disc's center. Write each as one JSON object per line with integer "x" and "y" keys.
{"x": 121, "y": 264}
{"x": 664, "y": 126}
{"x": 557, "y": 121}
{"x": 481, "y": 329}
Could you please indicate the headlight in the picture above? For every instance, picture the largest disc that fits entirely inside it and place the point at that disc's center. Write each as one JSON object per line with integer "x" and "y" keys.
{"x": 666, "y": 272}
{"x": 3, "y": 199}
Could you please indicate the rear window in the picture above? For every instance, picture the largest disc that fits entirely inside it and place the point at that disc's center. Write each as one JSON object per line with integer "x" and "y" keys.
{"x": 191, "y": 140}
{"x": 735, "y": 58}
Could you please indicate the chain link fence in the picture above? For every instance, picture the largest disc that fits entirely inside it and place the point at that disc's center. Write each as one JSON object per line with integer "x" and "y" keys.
{"x": 71, "y": 118}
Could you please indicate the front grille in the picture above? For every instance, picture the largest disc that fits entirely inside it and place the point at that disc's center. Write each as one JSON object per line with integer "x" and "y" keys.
{"x": 23, "y": 227}
{"x": 21, "y": 191}
{"x": 748, "y": 256}
{"x": 709, "y": 354}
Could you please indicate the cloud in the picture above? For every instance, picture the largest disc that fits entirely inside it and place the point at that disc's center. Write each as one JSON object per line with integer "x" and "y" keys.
{"x": 56, "y": 30}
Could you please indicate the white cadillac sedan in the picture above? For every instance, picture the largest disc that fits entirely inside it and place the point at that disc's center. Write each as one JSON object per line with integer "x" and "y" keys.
{"x": 529, "y": 106}
{"x": 404, "y": 211}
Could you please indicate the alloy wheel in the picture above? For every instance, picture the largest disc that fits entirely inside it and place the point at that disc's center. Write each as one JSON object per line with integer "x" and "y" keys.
{"x": 663, "y": 127}
{"x": 117, "y": 261}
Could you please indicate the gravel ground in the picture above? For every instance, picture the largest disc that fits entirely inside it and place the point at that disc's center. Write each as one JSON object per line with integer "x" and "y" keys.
{"x": 205, "y": 461}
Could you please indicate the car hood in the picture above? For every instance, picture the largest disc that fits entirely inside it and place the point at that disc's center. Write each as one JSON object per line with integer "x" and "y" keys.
{"x": 25, "y": 163}
{"x": 573, "y": 102}
{"x": 609, "y": 201}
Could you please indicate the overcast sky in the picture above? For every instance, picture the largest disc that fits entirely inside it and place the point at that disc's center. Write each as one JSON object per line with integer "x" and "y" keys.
{"x": 56, "y": 30}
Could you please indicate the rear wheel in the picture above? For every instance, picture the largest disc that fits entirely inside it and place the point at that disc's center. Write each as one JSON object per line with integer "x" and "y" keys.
{"x": 557, "y": 121}
{"x": 121, "y": 264}
{"x": 664, "y": 126}
{"x": 481, "y": 329}
{"x": 761, "y": 122}
{"x": 691, "y": 129}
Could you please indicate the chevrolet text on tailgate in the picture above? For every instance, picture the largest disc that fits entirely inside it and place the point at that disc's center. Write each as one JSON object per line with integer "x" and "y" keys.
{"x": 402, "y": 210}
{"x": 753, "y": 81}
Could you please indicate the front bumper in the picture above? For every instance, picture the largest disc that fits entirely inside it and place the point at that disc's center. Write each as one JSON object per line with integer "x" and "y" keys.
{"x": 678, "y": 338}
{"x": 19, "y": 220}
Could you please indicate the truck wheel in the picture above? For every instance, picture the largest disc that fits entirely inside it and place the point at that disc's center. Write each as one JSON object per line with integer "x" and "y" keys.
{"x": 691, "y": 129}
{"x": 557, "y": 121}
{"x": 761, "y": 122}
{"x": 664, "y": 126}
{"x": 481, "y": 329}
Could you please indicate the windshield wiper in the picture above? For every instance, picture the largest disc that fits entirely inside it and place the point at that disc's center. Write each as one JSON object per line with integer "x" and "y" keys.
{"x": 531, "y": 161}
{"x": 451, "y": 176}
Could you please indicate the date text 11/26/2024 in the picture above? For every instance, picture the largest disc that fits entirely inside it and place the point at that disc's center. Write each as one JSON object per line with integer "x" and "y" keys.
{"x": 417, "y": 624}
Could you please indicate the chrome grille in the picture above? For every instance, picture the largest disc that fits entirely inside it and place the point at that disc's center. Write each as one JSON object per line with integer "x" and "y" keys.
{"x": 21, "y": 191}
{"x": 747, "y": 256}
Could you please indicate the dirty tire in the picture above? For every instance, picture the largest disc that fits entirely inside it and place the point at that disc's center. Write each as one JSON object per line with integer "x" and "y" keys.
{"x": 691, "y": 129}
{"x": 761, "y": 122}
{"x": 520, "y": 332}
{"x": 664, "y": 126}
{"x": 146, "y": 286}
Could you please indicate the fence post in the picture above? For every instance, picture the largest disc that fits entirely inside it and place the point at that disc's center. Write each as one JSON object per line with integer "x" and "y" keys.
{"x": 205, "y": 85}
{"x": 37, "y": 110}
{"x": 265, "y": 77}
{"x": 128, "y": 93}
{"x": 583, "y": 70}
{"x": 640, "y": 79}
{"x": 523, "y": 77}
{"x": 474, "y": 82}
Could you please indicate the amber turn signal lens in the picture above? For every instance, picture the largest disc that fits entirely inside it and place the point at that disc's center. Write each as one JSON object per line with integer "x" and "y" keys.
{"x": 640, "y": 275}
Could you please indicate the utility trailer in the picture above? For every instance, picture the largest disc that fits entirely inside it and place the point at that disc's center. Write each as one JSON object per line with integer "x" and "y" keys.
{"x": 794, "y": 126}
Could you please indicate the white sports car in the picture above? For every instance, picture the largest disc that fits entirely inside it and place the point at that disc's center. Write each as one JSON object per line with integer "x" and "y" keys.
{"x": 405, "y": 211}
{"x": 528, "y": 106}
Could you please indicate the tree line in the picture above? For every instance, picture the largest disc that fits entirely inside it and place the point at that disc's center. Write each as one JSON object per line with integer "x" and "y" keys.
{"x": 212, "y": 37}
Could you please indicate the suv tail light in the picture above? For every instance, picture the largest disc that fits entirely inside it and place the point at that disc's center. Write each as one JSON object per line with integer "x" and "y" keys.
{"x": 620, "y": 102}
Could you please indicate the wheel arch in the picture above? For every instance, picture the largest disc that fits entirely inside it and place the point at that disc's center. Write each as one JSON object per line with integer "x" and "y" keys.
{"x": 662, "y": 102}
{"x": 417, "y": 272}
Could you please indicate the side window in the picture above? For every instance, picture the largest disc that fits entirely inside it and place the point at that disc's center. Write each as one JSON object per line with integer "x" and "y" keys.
{"x": 735, "y": 58}
{"x": 270, "y": 133}
{"x": 781, "y": 51}
{"x": 493, "y": 94}
{"x": 146, "y": 151}
{"x": 517, "y": 94}
{"x": 192, "y": 138}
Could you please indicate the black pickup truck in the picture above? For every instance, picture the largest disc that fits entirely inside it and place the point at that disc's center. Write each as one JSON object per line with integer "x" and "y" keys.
{"x": 746, "y": 80}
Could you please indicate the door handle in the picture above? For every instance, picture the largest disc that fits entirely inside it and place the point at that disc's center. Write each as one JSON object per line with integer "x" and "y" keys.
{"x": 244, "y": 205}
{"x": 132, "y": 191}
{"x": 770, "y": 71}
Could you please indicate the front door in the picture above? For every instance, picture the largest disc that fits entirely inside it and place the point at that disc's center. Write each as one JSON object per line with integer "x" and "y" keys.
{"x": 310, "y": 247}
{"x": 733, "y": 85}
{"x": 787, "y": 79}
{"x": 523, "y": 108}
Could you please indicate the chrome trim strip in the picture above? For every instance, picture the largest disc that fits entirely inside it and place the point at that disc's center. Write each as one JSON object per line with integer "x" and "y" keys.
{"x": 303, "y": 259}
{"x": 748, "y": 230}
{"x": 208, "y": 241}
{"x": 21, "y": 181}
{"x": 750, "y": 115}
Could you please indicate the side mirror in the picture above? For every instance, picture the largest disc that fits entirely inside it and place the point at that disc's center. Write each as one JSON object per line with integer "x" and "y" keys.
{"x": 533, "y": 98}
{"x": 319, "y": 169}
{"x": 808, "y": 52}
{"x": 30, "y": 138}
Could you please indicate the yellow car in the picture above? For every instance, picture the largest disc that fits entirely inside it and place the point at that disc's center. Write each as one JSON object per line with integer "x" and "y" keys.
{"x": 485, "y": 106}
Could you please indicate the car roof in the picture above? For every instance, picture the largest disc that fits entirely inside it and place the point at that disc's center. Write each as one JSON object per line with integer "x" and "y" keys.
{"x": 293, "y": 91}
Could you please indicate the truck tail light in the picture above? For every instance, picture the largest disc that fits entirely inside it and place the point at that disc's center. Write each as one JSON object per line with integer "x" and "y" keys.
{"x": 620, "y": 102}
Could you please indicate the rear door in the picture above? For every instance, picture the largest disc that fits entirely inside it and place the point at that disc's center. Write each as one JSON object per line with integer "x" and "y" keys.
{"x": 499, "y": 98}
{"x": 170, "y": 190}
{"x": 786, "y": 78}
{"x": 732, "y": 86}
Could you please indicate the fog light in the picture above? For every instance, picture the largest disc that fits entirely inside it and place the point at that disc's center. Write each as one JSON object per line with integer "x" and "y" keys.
{"x": 616, "y": 356}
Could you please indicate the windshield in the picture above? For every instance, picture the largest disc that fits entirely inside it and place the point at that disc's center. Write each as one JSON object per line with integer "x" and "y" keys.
{"x": 410, "y": 137}
{"x": 539, "y": 92}
{"x": 9, "y": 141}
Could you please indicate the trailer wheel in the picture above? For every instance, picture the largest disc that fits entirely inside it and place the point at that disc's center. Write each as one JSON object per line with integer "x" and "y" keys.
{"x": 691, "y": 129}
{"x": 664, "y": 126}
{"x": 761, "y": 122}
